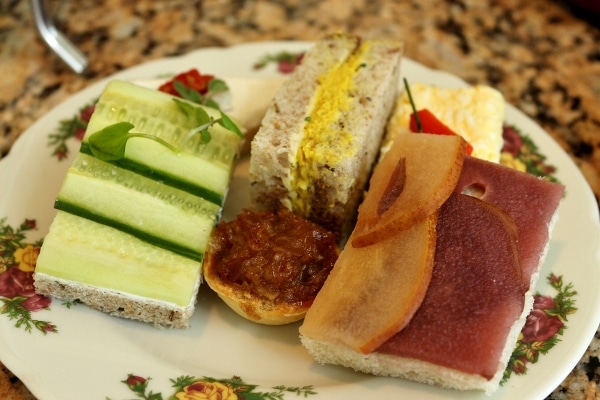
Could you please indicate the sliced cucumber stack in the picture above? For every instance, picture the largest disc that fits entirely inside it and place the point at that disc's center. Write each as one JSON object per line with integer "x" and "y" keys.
{"x": 97, "y": 257}
{"x": 202, "y": 168}
{"x": 138, "y": 223}
{"x": 150, "y": 210}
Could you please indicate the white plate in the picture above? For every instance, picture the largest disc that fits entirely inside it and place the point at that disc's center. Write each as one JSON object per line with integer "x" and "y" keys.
{"x": 92, "y": 353}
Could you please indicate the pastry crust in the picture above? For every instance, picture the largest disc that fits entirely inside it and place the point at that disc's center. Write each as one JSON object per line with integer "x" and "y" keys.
{"x": 269, "y": 266}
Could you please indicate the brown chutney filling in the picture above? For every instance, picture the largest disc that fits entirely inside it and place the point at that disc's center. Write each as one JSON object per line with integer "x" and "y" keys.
{"x": 274, "y": 255}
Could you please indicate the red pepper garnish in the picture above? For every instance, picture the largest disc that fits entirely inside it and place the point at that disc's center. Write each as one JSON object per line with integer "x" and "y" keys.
{"x": 430, "y": 124}
{"x": 192, "y": 79}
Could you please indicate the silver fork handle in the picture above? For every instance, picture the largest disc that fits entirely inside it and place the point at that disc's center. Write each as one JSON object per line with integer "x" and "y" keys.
{"x": 56, "y": 40}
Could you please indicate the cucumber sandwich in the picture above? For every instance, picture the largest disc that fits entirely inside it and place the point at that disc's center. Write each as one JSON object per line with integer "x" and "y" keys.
{"x": 138, "y": 204}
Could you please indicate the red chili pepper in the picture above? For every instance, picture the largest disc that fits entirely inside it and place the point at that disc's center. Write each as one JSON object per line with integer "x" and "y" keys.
{"x": 430, "y": 124}
{"x": 192, "y": 79}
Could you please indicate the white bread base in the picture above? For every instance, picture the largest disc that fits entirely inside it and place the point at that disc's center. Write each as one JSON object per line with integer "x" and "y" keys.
{"x": 420, "y": 371}
{"x": 159, "y": 313}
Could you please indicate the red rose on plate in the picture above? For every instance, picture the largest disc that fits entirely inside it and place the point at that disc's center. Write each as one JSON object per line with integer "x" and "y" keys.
{"x": 16, "y": 282}
{"x": 37, "y": 302}
{"x": 133, "y": 381}
{"x": 540, "y": 326}
{"x": 512, "y": 141}
{"x": 543, "y": 303}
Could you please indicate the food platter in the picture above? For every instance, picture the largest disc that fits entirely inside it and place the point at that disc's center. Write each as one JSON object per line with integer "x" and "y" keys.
{"x": 90, "y": 354}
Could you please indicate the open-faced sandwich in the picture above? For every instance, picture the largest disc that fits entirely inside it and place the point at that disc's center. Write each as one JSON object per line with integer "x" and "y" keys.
{"x": 138, "y": 204}
{"x": 437, "y": 278}
{"x": 474, "y": 112}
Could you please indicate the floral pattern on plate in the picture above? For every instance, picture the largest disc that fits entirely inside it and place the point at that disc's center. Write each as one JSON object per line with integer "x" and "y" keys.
{"x": 17, "y": 292}
{"x": 190, "y": 388}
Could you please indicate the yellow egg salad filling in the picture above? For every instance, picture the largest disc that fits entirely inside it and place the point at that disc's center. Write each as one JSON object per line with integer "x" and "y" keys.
{"x": 326, "y": 140}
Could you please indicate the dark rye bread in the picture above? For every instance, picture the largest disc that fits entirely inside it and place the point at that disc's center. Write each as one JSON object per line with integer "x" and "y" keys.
{"x": 336, "y": 180}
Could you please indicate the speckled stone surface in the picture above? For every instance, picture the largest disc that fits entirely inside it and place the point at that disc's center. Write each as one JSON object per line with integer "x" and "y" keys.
{"x": 541, "y": 55}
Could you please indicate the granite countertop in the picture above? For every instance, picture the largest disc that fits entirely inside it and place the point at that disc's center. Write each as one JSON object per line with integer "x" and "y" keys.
{"x": 543, "y": 55}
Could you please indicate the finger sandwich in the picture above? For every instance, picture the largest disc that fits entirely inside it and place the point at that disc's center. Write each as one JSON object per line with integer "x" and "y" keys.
{"x": 137, "y": 206}
{"x": 316, "y": 145}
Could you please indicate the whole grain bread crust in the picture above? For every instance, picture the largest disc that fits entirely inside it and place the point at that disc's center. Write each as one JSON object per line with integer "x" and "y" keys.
{"x": 160, "y": 314}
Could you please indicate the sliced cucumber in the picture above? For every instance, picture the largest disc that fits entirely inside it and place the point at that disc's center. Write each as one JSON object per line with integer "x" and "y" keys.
{"x": 200, "y": 168}
{"x": 161, "y": 215}
{"x": 83, "y": 251}
{"x": 203, "y": 179}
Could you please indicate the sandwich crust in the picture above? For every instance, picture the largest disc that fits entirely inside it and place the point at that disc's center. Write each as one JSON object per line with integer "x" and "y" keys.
{"x": 161, "y": 314}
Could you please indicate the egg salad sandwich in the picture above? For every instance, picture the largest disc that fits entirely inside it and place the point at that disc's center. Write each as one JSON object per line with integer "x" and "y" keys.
{"x": 316, "y": 145}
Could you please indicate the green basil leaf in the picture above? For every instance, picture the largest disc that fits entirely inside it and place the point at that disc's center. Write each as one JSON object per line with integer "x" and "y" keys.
{"x": 108, "y": 144}
{"x": 205, "y": 136}
{"x": 212, "y": 104}
{"x": 216, "y": 85}
{"x": 202, "y": 116}
{"x": 188, "y": 109}
{"x": 187, "y": 93}
{"x": 227, "y": 123}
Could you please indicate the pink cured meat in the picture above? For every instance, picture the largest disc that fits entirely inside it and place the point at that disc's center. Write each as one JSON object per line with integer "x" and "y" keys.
{"x": 475, "y": 294}
{"x": 529, "y": 200}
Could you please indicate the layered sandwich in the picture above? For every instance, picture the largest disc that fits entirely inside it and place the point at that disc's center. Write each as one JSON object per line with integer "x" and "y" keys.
{"x": 137, "y": 206}
{"x": 316, "y": 145}
{"x": 437, "y": 278}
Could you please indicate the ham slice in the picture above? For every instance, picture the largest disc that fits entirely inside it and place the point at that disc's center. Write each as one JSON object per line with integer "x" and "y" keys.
{"x": 530, "y": 201}
{"x": 475, "y": 294}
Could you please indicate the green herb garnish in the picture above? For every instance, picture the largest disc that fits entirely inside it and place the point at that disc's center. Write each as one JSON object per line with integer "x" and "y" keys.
{"x": 187, "y": 93}
{"x": 108, "y": 144}
{"x": 228, "y": 124}
{"x": 205, "y": 121}
{"x": 214, "y": 86}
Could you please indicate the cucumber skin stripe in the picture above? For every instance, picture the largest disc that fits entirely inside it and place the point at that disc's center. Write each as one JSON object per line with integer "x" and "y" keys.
{"x": 167, "y": 179}
{"x": 156, "y": 241}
